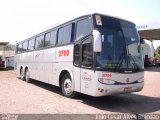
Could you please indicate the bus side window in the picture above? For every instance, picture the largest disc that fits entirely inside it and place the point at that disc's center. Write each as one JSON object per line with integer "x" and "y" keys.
{"x": 47, "y": 39}
{"x": 19, "y": 48}
{"x": 60, "y": 36}
{"x": 50, "y": 38}
{"x": 31, "y": 44}
{"x": 25, "y": 46}
{"x": 65, "y": 34}
{"x": 84, "y": 28}
{"x": 39, "y": 41}
{"x": 53, "y": 37}
{"x": 77, "y": 57}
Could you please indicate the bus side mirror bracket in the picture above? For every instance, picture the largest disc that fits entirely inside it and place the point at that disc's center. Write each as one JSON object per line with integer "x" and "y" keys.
{"x": 97, "y": 46}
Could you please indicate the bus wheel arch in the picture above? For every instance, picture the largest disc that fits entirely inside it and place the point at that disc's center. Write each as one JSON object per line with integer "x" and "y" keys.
{"x": 61, "y": 75}
{"x": 66, "y": 83}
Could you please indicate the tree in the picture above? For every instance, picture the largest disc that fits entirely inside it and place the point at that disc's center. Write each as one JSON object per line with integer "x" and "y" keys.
{"x": 157, "y": 53}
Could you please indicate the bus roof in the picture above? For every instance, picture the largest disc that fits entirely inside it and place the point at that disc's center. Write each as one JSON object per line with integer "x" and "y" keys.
{"x": 74, "y": 19}
{"x": 91, "y": 14}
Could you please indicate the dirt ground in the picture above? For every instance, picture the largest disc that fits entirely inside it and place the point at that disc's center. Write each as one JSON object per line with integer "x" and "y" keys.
{"x": 19, "y": 97}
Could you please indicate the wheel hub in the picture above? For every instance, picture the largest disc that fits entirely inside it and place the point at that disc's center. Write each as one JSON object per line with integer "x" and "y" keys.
{"x": 68, "y": 86}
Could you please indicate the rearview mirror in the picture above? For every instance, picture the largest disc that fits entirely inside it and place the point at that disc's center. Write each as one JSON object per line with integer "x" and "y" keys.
{"x": 97, "y": 46}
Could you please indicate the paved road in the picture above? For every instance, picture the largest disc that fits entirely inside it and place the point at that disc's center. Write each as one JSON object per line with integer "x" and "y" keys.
{"x": 17, "y": 96}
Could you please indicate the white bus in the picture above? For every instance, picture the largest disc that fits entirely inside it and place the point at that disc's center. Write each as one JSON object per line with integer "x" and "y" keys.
{"x": 95, "y": 54}
{"x": 148, "y": 53}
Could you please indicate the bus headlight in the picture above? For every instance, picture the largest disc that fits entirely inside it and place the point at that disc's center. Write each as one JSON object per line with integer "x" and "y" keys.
{"x": 106, "y": 81}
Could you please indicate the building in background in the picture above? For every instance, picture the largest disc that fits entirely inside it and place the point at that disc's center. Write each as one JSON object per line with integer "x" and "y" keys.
{"x": 9, "y": 62}
{"x": 148, "y": 52}
{"x": 7, "y": 52}
{"x": 2, "y": 55}
{"x": 150, "y": 35}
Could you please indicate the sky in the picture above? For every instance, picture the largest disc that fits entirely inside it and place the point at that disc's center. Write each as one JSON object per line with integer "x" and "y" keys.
{"x": 20, "y": 19}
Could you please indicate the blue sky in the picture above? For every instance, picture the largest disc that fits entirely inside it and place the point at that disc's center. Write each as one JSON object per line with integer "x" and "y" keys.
{"x": 21, "y": 19}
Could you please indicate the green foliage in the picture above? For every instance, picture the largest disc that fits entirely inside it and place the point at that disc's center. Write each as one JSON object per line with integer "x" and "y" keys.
{"x": 157, "y": 53}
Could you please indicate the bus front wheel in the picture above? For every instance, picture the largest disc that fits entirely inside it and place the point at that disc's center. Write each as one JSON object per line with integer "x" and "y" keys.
{"x": 67, "y": 87}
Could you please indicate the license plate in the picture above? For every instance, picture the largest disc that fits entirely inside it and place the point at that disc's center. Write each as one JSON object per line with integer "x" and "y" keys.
{"x": 128, "y": 89}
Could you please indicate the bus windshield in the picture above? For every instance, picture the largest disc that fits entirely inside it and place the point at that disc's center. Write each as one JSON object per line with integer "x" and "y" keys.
{"x": 120, "y": 46}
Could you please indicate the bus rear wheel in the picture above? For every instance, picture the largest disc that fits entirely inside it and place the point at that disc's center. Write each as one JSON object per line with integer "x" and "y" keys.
{"x": 21, "y": 74}
{"x": 67, "y": 87}
{"x": 27, "y": 78}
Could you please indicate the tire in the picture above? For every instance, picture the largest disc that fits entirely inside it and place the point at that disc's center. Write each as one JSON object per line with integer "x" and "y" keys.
{"x": 67, "y": 87}
{"x": 27, "y": 78}
{"x": 21, "y": 74}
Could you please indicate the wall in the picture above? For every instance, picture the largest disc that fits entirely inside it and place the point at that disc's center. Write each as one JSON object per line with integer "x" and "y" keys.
{"x": 10, "y": 62}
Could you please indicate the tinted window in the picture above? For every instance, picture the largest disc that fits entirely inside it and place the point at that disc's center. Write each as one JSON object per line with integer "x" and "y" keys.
{"x": 60, "y": 36}
{"x": 84, "y": 27}
{"x": 120, "y": 45}
{"x": 47, "y": 39}
{"x": 25, "y": 46}
{"x": 31, "y": 44}
{"x": 50, "y": 38}
{"x": 39, "y": 42}
{"x": 19, "y": 48}
{"x": 65, "y": 34}
{"x": 77, "y": 54}
{"x": 87, "y": 53}
{"x": 53, "y": 37}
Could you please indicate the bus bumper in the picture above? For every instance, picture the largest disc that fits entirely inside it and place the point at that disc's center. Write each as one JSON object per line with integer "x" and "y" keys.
{"x": 104, "y": 90}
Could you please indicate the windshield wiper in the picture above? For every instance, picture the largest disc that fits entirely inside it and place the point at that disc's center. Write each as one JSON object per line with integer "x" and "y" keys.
{"x": 130, "y": 57}
{"x": 121, "y": 59}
